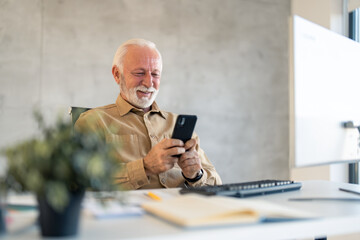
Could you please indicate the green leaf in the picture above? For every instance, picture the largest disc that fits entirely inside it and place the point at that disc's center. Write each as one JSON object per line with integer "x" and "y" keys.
{"x": 57, "y": 195}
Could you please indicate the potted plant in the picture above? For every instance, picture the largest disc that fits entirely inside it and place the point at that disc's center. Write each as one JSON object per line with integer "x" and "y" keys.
{"x": 2, "y": 210}
{"x": 58, "y": 166}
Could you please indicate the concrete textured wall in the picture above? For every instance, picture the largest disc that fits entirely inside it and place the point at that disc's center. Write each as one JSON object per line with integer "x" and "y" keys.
{"x": 224, "y": 60}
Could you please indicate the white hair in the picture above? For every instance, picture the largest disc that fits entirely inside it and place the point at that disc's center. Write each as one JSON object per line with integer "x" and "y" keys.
{"x": 122, "y": 50}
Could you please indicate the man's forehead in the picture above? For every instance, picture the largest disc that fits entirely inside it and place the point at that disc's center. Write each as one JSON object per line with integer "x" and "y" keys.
{"x": 142, "y": 55}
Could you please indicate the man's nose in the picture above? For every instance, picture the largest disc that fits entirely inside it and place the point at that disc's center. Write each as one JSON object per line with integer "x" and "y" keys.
{"x": 148, "y": 81}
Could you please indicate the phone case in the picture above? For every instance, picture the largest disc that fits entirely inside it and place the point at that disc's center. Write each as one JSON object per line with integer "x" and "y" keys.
{"x": 184, "y": 127}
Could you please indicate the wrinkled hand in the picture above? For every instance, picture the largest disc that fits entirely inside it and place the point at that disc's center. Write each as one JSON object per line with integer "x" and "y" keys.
{"x": 162, "y": 156}
{"x": 189, "y": 161}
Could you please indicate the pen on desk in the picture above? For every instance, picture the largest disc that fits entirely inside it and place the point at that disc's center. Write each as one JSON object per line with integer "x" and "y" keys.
{"x": 154, "y": 196}
{"x": 349, "y": 191}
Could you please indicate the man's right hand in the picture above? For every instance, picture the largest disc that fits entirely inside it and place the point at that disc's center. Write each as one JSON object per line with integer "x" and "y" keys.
{"x": 162, "y": 156}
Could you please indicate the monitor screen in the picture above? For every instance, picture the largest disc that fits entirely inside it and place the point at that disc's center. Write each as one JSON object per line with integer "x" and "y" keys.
{"x": 324, "y": 93}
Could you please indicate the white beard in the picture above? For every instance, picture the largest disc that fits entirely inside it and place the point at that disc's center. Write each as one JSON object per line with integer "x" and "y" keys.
{"x": 131, "y": 96}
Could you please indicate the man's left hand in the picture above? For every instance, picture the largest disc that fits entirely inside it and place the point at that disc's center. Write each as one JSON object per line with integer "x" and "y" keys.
{"x": 189, "y": 162}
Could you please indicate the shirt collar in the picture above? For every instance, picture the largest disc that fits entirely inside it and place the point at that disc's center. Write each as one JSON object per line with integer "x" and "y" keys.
{"x": 124, "y": 107}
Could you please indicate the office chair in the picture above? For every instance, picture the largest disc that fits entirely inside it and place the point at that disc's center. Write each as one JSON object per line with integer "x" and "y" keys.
{"x": 75, "y": 113}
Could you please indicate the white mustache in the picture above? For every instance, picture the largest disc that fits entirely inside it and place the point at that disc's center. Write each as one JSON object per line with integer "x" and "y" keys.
{"x": 145, "y": 89}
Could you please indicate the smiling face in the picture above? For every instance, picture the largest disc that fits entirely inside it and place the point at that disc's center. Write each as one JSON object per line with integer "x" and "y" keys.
{"x": 140, "y": 80}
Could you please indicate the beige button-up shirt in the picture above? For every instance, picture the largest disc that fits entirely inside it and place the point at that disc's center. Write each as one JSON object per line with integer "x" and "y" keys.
{"x": 135, "y": 133}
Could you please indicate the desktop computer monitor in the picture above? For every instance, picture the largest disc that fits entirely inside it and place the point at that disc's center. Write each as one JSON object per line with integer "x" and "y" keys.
{"x": 324, "y": 93}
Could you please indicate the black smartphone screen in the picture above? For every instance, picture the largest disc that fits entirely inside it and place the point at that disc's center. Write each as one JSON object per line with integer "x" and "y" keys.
{"x": 184, "y": 127}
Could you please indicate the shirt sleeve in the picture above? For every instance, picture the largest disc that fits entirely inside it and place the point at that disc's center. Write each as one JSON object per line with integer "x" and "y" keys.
{"x": 132, "y": 175}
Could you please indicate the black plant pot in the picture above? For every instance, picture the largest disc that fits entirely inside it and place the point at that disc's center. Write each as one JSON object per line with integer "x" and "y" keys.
{"x": 60, "y": 224}
{"x": 2, "y": 221}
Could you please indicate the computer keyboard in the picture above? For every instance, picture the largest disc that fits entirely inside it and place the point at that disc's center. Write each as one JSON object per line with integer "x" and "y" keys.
{"x": 246, "y": 189}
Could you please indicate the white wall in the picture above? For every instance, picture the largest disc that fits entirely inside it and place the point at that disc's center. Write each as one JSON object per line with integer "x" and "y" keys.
{"x": 353, "y": 4}
{"x": 224, "y": 60}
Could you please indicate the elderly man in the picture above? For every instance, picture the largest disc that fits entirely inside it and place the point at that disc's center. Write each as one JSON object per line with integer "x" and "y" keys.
{"x": 142, "y": 132}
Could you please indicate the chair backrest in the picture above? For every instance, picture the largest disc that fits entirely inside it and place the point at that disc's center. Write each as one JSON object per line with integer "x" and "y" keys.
{"x": 75, "y": 113}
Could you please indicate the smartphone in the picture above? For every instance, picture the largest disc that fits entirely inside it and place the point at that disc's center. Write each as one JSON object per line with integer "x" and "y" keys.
{"x": 184, "y": 127}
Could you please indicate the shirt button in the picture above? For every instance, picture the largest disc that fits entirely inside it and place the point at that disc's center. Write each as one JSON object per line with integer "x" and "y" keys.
{"x": 162, "y": 180}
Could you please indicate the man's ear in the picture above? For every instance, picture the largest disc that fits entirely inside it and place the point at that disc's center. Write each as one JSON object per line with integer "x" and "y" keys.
{"x": 116, "y": 74}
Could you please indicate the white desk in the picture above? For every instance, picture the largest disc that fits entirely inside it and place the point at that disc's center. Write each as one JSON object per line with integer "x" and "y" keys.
{"x": 338, "y": 218}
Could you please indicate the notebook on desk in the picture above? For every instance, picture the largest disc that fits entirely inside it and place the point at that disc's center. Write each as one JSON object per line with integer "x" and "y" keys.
{"x": 193, "y": 210}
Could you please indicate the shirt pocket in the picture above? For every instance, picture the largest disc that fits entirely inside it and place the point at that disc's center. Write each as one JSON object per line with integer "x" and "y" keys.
{"x": 126, "y": 146}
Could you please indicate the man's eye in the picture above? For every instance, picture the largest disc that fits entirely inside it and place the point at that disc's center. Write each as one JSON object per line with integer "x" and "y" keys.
{"x": 155, "y": 75}
{"x": 139, "y": 74}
